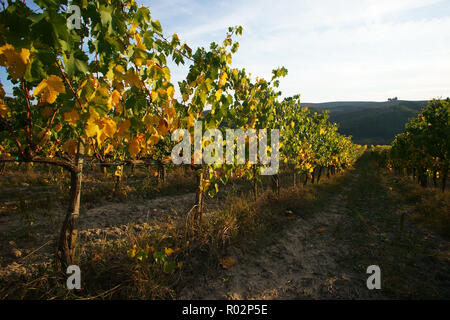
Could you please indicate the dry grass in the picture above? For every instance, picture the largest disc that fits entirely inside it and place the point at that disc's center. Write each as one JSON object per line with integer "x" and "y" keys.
{"x": 431, "y": 205}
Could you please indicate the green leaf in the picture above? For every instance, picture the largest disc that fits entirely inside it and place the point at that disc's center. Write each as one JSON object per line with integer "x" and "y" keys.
{"x": 156, "y": 26}
{"x": 169, "y": 267}
{"x": 75, "y": 66}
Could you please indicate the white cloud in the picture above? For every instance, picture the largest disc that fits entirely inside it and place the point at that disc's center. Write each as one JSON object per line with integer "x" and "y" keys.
{"x": 335, "y": 50}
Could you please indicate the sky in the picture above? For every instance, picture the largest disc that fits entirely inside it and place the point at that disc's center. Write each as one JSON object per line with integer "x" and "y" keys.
{"x": 334, "y": 50}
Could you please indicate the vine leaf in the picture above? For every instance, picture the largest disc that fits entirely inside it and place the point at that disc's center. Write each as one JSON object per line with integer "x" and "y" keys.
{"x": 17, "y": 62}
{"x": 50, "y": 89}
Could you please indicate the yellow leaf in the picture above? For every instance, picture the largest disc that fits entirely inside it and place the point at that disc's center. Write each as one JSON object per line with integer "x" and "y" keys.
{"x": 162, "y": 93}
{"x": 154, "y": 139}
{"x": 218, "y": 94}
{"x": 93, "y": 115}
{"x": 92, "y": 129}
{"x": 70, "y": 147}
{"x": 109, "y": 148}
{"x": 17, "y": 62}
{"x": 133, "y": 26}
{"x": 120, "y": 69}
{"x": 191, "y": 121}
{"x": 171, "y": 112}
{"x": 223, "y": 79}
{"x": 132, "y": 78}
{"x": 227, "y": 262}
{"x": 132, "y": 252}
{"x": 205, "y": 184}
{"x": 134, "y": 146}
{"x": 137, "y": 37}
{"x": 4, "y": 110}
{"x": 123, "y": 127}
{"x": 151, "y": 119}
{"x": 5, "y": 52}
{"x": 100, "y": 127}
{"x": 50, "y": 89}
{"x": 72, "y": 116}
{"x": 95, "y": 82}
{"x": 168, "y": 251}
{"x": 170, "y": 91}
{"x": 163, "y": 127}
{"x": 166, "y": 73}
{"x": 118, "y": 108}
{"x": 114, "y": 99}
{"x": 109, "y": 127}
{"x": 229, "y": 58}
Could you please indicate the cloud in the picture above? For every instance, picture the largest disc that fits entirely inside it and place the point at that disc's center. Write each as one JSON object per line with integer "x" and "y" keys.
{"x": 334, "y": 50}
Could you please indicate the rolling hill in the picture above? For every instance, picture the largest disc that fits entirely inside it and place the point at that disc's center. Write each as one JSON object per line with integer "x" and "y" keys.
{"x": 370, "y": 122}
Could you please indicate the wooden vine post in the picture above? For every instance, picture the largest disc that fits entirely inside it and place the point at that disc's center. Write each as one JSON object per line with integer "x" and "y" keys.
{"x": 161, "y": 173}
{"x": 199, "y": 195}
{"x": 295, "y": 178}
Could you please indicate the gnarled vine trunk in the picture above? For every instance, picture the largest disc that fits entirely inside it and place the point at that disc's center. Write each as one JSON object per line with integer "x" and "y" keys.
{"x": 319, "y": 174}
{"x": 276, "y": 184}
{"x": 69, "y": 230}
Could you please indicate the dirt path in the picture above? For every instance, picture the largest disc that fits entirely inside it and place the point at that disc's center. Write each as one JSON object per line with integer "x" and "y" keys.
{"x": 299, "y": 264}
{"x": 325, "y": 255}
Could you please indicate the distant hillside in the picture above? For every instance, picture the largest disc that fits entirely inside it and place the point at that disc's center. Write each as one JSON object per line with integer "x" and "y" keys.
{"x": 370, "y": 122}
